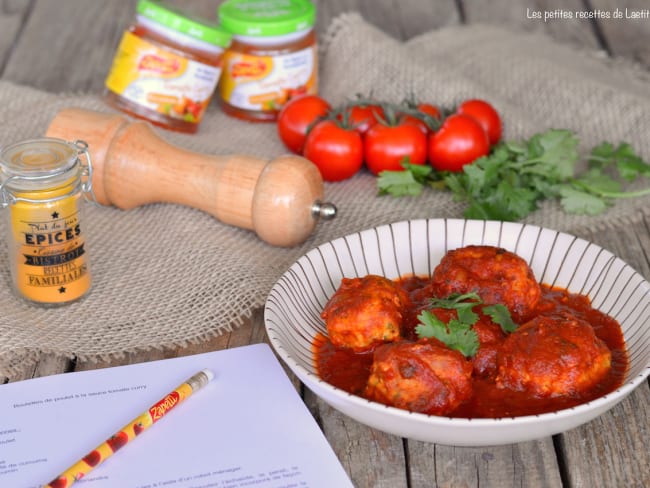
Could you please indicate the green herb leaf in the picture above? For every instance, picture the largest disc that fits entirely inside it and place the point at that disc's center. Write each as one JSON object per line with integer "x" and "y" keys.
{"x": 515, "y": 147}
{"x": 580, "y": 202}
{"x": 455, "y": 335}
{"x": 398, "y": 183}
{"x": 516, "y": 201}
{"x": 463, "y": 305}
{"x": 501, "y": 315}
{"x": 510, "y": 182}
{"x": 410, "y": 181}
{"x": 557, "y": 151}
{"x": 597, "y": 182}
{"x": 623, "y": 157}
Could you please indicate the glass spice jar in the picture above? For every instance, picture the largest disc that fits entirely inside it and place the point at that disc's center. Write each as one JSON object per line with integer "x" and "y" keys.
{"x": 42, "y": 185}
{"x": 272, "y": 58}
{"x": 167, "y": 67}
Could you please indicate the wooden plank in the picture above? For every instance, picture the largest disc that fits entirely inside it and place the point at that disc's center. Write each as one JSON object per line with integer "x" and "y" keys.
{"x": 517, "y": 16}
{"x": 68, "y": 45}
{"x": 401, "y": 19}
{"x": 416, "y": 17}
{"x": 48, "y": 364}
{"x": 71, "y": 44}
{"x": 611, "y": 450}
{"x": 626, "y": 37}
{"x": 372, "y": 459}
{"x": 12, "y": 17}
{"x": 523, "y": 464}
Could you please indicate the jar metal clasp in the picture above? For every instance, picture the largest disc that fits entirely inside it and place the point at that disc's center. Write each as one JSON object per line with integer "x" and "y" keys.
{"x": 86, "y": 171}
{"x": 8, "y": 198}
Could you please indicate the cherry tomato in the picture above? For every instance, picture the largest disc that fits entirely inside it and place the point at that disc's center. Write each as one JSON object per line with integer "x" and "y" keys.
{"x": 459, "y": 141}
{"x": 295, "y": 118}
{"x": 429, "y": 109}
{"x": 413, "y": 120}
{"x": 336, "y": 151}
{"x": 362, "y": 117}
{"x": 485, "y": 114}
{"x": 426, "y": 109}
{"x": 385, "y": 146}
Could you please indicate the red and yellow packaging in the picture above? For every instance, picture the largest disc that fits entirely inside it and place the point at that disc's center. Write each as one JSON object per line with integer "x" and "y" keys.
{"x": 272, "y": 58}
{"x": 167, "y": 67}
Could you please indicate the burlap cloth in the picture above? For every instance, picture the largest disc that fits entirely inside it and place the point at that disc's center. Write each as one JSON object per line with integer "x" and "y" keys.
{"x": 166, "y": 275}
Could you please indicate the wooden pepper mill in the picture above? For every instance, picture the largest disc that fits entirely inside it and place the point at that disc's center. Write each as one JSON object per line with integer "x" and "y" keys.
{"x": 281, "y": 200}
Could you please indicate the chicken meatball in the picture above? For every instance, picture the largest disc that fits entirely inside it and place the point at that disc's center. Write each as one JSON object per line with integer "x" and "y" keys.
{"x": 497, "y": 275}
{"x": 490, "y": 337}
{"x": 552, "y": 356}
{"x": 424, "y": 376}
{"x": 365, "y": 312}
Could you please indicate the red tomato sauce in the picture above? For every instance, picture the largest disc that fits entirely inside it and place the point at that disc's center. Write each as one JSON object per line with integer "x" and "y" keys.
{"x": 349, "y": 371}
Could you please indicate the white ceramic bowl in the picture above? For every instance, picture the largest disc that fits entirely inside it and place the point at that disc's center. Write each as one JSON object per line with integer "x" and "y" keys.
{"x": 292, "y": 314}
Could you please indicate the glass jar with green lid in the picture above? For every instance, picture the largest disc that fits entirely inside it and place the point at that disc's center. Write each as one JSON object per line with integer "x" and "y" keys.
{"x": 167, "y": 66}
{"x": 272, "y": 57}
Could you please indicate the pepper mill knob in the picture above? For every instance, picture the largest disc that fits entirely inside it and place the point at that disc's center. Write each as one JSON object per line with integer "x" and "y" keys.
{"x": 134, "y": 166}
{"x": 324, "y": 210}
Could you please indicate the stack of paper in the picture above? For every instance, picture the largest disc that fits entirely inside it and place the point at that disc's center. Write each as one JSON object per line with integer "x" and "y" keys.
{"x": 247, "y": 428}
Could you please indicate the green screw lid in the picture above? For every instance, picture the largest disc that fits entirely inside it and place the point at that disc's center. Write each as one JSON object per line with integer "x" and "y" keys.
{"x": 168, "y": 16}
{"x": 266, "y": 17}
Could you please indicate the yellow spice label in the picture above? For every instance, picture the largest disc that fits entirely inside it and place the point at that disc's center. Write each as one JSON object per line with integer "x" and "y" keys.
{"x": 160, "y": 80}
{"x": 266, "y": 83}
{"x": 50, "y": 260}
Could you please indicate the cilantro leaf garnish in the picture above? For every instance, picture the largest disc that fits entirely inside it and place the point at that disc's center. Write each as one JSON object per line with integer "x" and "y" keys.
{"x": 458, "y": 333}
{"x": 463, "y": 305}
{"x": 455, "y": 334}
{"x": 501, "y": 315}
{"x": 510, "y": 182}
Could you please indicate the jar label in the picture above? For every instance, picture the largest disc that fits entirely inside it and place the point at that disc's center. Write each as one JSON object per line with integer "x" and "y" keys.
{"x": 50, "y": 260}
{"x": 266, "y": 83}
{"x": 161, "y": 80}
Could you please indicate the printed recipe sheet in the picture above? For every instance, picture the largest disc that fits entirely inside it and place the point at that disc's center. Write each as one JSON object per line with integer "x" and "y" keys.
{"x": 246, "y": 428}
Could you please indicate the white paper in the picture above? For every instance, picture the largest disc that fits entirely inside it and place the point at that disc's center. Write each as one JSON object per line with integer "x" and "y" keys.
{"x": 247, "y": 428}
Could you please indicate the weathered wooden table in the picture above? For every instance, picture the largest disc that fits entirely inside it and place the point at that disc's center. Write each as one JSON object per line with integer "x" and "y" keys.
{"x": 66, "y": 45}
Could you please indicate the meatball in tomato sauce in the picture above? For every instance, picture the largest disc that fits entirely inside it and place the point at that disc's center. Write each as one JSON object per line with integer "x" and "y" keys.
{"x": 423, "y": 376}
{"x": 490, "y": 337}
{"x": 552, "y": 356}
{"x": 495, "y": 274}
{"x": 365, "y": 312}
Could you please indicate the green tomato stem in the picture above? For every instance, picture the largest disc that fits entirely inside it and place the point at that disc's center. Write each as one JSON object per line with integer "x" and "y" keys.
{"x": 613, "y": 194}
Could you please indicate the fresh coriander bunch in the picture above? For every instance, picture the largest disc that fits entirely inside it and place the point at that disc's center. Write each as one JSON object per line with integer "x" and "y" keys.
{"x": 510, "y": 182}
